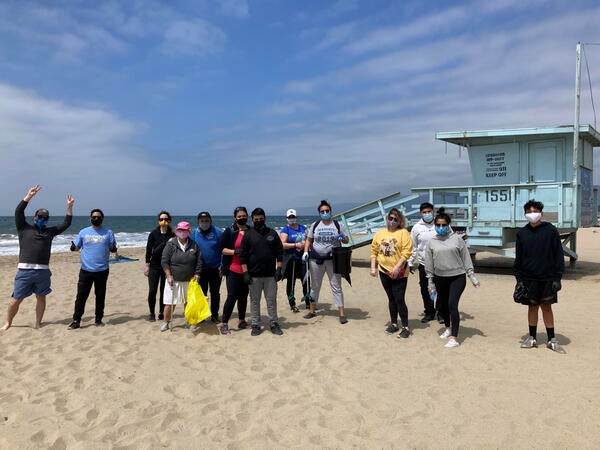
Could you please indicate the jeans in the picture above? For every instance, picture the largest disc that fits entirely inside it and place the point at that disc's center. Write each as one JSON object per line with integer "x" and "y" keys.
{"x": 84, "y": 286}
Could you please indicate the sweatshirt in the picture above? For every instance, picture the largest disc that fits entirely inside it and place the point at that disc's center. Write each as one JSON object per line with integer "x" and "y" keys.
{"x": 389, "y": 247}
{"x": 539, "y": 254}
{"x": 447, "y": 256}
{"x": 155, "y": 246}
{"x": 260, "y": 250}
{"x": 420, "y": 234}
{"x": 184, "y": 264}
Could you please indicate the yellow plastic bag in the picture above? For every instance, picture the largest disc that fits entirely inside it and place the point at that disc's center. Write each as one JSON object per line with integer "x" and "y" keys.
{"x": 197, "y": 308}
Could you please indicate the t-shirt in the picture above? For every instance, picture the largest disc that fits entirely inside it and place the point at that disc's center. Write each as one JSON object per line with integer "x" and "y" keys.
{"x": 294, "y": 236}
{"x": 209, "y": 246}
{"x": 95, "y": 248}
{"x": 236, "y": 265}
{"x": 325, "y": 237}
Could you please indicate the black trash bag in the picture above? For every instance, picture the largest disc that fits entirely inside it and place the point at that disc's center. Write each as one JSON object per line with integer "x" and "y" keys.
{"x": 342, "y": 262}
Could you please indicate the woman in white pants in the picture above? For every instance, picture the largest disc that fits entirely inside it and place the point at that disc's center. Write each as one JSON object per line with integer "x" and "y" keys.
{"x": 323, "y": 235}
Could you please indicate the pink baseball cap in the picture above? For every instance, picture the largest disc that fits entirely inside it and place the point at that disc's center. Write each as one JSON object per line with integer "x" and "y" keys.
{"x": 183, "y": 226}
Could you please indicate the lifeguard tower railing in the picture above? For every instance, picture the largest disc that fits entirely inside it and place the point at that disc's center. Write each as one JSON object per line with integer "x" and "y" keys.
{"x": 364, "y": 221}
{"x": 491, "y": 215}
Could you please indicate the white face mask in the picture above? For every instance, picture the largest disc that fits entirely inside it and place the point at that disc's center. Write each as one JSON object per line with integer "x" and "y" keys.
{"x": 292, "y": 221}
{"x": 533, "y": 217}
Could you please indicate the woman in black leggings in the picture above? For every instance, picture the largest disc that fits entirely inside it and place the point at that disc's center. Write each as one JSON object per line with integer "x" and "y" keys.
{"x": 237, "y": 290}
{"x": 447, "y": 263}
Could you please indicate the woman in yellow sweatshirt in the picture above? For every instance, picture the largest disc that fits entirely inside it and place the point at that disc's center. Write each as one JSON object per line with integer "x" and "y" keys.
{"x": 390, "y": 250}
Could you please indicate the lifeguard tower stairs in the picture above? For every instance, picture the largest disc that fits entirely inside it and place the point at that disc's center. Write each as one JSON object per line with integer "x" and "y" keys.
{"x": 508, "y": 167}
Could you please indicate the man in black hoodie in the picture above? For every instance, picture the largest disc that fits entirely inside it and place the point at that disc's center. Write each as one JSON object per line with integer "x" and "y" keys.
{"x": 261, "y": 256}
{"x": 538, "y": 268}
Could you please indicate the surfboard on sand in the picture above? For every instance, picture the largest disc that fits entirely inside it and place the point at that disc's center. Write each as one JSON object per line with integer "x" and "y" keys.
{"x": 122, "y": 259}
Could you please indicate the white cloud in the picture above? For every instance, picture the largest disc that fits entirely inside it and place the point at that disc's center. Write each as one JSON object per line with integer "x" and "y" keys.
{"x": 192, "y": 37}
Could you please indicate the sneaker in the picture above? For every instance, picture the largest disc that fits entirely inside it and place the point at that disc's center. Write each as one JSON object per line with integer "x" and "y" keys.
{"x": 440, "y": 319}
{"x": 405, "y": 333}
{"x": 530, "y": 342}
{"x": 275, "y": 329}
{"x": 393, "y": 328}
{"x": 310, "y": 315}
{"x": 452, "y": 343}
{"x": 242, "y": 324}
{"x": 294, "y": 309}
{"x": 99, "y": 323}
{"x": 214, "y": 319}
{"x": 74, "y": 325}
{"x": 428, "y": 318}
{"x": 161, "y": 316}
{"x": 151, "y": 318}
{"x": 446, "y": 334}
{"x": 164, "y": 326}
{"x": 224, "y": 329}
{"x": 343, "y": 320}
{"x": 555, "y": 346}
{"x": 255, "y": 330}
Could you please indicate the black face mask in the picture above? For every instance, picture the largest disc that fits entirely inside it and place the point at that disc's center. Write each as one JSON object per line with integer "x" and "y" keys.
{"x": 242, "y": 221}
{"x": 96, "y": 221}
{"x": 258, "y": 224}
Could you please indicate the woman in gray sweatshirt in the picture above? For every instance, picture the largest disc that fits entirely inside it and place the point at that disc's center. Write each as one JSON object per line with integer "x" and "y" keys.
{"x": 447, "y": 263}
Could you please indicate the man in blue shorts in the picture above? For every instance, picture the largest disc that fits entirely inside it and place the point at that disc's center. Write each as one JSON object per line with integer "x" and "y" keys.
{"x": 35, "y": 242}
{"x": 96, "y": 243}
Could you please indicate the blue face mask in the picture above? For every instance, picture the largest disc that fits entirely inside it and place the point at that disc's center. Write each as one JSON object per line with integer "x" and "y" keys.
{"x": 442, "y": 230}
{"x": 41, "y": 223}
{"x": 428, "y": 217}
{"x": 326, "y": 215}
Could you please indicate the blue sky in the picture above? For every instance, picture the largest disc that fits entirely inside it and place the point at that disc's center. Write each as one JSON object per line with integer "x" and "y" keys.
{"x": 136, "y": 106}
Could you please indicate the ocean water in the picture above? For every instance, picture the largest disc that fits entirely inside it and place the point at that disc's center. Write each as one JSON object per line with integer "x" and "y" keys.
{"x": 130, "y": 231}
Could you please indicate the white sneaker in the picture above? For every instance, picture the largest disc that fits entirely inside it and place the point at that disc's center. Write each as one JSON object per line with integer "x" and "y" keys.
{"x": 164, "y": 326}
{"x": 555, "y": 346}
{"x": 530, "y": 342}
{"x": 446, "y": 334}
{"x": 452, "y": 343}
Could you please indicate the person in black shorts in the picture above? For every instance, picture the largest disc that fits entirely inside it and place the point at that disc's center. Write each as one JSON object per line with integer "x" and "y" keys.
{"x": 538, "y": 268}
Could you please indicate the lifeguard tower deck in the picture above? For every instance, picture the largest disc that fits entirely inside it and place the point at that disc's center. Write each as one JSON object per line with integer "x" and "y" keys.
{"x": 508, "y": 167}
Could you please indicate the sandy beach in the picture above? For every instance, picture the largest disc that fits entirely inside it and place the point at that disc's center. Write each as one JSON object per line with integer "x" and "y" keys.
{"x": 320, "y": 385}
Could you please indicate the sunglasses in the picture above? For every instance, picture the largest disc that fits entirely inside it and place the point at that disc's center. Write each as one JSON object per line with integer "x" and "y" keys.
{"x": 392, "y": 218}
{"x": 164, "y": 219}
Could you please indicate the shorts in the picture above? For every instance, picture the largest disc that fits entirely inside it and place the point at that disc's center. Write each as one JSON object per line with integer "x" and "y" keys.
{"x": 31, "y": 281}
{"x": 537, "y": 293}
{"x": 176, "y": 294}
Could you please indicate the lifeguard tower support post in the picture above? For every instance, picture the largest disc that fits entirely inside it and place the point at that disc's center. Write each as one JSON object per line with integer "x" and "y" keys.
{"x": 510, "y": 167}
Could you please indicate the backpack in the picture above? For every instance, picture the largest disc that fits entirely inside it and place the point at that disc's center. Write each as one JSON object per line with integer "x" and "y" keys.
{"x": 337, "y": 225}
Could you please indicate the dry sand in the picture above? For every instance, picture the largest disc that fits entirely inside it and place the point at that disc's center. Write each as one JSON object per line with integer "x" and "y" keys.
{"x": 320, "y": 385}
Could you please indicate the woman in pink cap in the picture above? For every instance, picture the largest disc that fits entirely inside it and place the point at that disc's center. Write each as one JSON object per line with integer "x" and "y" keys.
{"x": 181, "y": 261}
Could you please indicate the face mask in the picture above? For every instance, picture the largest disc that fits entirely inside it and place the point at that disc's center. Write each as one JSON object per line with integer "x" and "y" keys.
{"x": 258, "y": 224}
{"x": 428, "y": 217}
{"x": 441, "y": 230}
{"x": 41, "y": 223}
{"x": 392, "y": 223}
{"x": 181, "y": 234}
{"x": 96, "y": 221}
{"x": 204, "y": 226}
{"x": 325, "y": 215}
{"x": 533, "y": 217}
{"x": 242, "y": 222}
{"x": 292, "y": 221}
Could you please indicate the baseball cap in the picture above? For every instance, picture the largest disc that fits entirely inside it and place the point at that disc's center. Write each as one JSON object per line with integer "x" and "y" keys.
{"x": 204, "y": 214}
{"x": 290, "y": 212}
{"x": 184, "y": 226}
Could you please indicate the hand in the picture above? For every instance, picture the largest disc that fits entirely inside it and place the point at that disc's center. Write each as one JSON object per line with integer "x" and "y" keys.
{"x": 278, "y": 274}
{"x": 170, "y": 280}
{"x": 373, "y": 272}
{"x": 305, "y": 257}
{"x": 341, "y": 236}
{"x": 146, "y": 270}
{"x": 247, "y": 278}
{"x": 474, "y": 280}
{"x": 236, "y": 251}
{"x": 196, "y": 277}
{"x": 70, "y": 201}
{"x": 34, "y": 190}
{"x": 556, "y": 286}
{"x": 73, "y": 247}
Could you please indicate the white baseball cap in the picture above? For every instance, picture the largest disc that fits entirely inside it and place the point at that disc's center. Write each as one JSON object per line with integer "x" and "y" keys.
{"x": 290, "y": 212}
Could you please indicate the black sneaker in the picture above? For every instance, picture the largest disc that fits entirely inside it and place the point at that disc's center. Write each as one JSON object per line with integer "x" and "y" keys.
{"x": 343, "y": 320}
{"x": 214, "y": 319}
{"x": 294, "y": 309}
{"x": 74, "y": 325}
{"x": 242, "y": 325}
{"x": 310, "y": 315}
{"x": 428, "y": 318}
{"x": 161, "y": 316}
{"x": 275, "y": 329}
{"x": 440, "y": 319}
{"x": 151, "y": 318}
{"x": 255, "y": 330}
{"x": 99, "y": 323}
{"x": 393, "y": 328}
{"x": 404, "y": 333}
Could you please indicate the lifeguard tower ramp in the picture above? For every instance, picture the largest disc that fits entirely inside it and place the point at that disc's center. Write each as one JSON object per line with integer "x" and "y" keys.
{"x": 510, "y": 167}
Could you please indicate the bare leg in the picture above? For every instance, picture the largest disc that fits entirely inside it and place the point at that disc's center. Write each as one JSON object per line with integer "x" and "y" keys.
{"x": 40, "y": 307}
{"x": 13, "y": 308}
{"x": 548, "y": 316}
{"x": 341, "y": 310}
{"x": 532, "y": 315}
{"x": 167, "y": 313}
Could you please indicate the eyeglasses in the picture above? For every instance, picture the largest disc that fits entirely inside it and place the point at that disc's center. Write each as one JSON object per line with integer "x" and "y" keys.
{"x": 164, "y": 219}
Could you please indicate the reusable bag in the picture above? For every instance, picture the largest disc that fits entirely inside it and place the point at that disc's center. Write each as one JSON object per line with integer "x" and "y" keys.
{"x": 197, "y": 308}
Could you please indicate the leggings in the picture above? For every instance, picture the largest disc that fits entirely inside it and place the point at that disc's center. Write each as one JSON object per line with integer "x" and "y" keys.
{"x": 237, "y": 290}
{"x": 156, "y": 276}
{"x": 449, "y": 290}
{"x": 395, "y": 290}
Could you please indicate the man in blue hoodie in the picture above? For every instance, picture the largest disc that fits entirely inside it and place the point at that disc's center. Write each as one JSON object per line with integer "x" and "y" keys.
{"x": 207, "y": 236}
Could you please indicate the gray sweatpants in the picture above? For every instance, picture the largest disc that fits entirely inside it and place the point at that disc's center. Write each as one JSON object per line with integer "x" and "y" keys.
{"x": 269, "y": 286}
{"x": 317, "y": 272}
